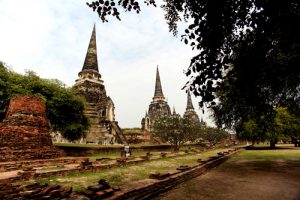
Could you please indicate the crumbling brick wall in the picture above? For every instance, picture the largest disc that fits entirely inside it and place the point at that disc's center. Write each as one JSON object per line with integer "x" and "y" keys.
{"x": 25, "y": 131}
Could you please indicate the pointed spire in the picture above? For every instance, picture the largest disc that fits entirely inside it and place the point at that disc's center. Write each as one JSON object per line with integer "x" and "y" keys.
{"x": 91, "y": 62}
{"x": 158, "y": 90}
{"x": 174, "y": 111}
{"x": 202, "y": 121}
{"x": 189, "y": 105}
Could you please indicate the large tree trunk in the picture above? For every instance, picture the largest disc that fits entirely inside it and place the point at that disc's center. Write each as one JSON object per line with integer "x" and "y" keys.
{"x": 272, "y": 144}
{"x": 176, "y": 147}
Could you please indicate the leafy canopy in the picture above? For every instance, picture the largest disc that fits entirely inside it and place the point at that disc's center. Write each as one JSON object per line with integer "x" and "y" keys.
{"x": 248, "y": 54}
{"x": 215, "y": 135}
{"x": 259, "y": 129}
{"x": 176, "y": 130}
{"x": 217, "y": 28}
{"x": 64, "y": 108}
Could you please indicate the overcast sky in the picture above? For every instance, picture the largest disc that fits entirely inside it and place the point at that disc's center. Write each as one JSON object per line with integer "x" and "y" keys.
{"x": 51, "y": 38}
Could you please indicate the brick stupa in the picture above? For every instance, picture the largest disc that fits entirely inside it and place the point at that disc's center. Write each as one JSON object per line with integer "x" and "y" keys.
{"x": 25, "y": 131}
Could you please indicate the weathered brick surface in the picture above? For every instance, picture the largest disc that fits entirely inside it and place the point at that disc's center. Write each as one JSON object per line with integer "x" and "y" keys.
{"x": 24, "y": 133}
{"x": 34, "y": 191}
{"x": 14, "y": 165}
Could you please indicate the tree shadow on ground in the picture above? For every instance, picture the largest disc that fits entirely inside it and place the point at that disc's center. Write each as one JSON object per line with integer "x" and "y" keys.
{"x": 268, "y": 148}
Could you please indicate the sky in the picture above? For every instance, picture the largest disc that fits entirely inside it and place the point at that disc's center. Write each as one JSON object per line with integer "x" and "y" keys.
{"x": 51, "y": 38}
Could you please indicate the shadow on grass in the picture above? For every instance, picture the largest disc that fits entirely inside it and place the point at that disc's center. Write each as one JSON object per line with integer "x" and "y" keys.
{"x": 268, "y": 147}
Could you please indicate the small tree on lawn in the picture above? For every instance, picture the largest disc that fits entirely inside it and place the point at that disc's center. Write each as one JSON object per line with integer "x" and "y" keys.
{"x": 215, "y": 135}
{"x": 176, "y": 130}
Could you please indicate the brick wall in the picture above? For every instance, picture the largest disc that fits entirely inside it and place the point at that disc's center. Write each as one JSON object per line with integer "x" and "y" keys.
{"x": 24, "y": 133}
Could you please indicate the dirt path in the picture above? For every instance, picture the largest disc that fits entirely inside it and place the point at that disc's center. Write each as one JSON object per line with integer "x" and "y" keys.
{"x": 243, "y": 180}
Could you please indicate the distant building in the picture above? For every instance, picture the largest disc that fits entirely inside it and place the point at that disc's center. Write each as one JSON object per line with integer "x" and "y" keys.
{"x": 100, "y": 109}
{"x": 158, "y": 107}
{"x": 175, "y": 114}
{"x": 189, "y": 111}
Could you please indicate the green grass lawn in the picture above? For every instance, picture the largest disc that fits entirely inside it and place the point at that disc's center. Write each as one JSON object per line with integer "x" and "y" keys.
{"x": 263, "y": 157}
{"x": 118, "y": 154}
{"x": 285, "y": 152}
{"x": 269, "y": 154}
{"x": 122, "y": 175}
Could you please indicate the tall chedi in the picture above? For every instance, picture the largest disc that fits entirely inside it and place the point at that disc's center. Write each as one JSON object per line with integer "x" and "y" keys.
{"x": 158, "y": 107}
{"x": 100, "y": 109}
{"x": 189, "y": 111}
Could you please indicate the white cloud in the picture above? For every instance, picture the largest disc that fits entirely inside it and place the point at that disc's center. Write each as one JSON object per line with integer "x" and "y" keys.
{"x": 51, "y": 38}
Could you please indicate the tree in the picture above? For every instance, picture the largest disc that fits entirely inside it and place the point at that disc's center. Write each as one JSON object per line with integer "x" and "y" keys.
{"x": 248, "y": 53}
{"x": 218, "y": 27}
{"x": 288, "y": 124}
{"x": 215, "y": 135}
{"x": 259, "y": 129}
{"x": 176, "y": 130}
{"x": 64, "y": 108}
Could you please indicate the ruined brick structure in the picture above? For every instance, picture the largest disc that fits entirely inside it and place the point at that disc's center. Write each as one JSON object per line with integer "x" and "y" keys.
{"x": 100, "y": 109}
{"x": 157, "y": 108}
{"x": 25, "y": 131}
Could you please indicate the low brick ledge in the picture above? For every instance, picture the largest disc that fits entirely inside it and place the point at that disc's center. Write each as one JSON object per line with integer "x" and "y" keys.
{"x": 65, "y": 172}
{"x": 97, "y": 168}
{"x": 149, "y": 188}
{"x": 40, "y": 162}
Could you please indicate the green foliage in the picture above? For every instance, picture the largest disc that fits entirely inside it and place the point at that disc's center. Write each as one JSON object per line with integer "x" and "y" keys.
{"x": 268, "y": 155}
{"x": 284, "y": 124}
{"x": 248, "y": 54}
{"x": 260, "y": 37}
{"x": 215, "y": 135}
{"x": 176, "y": 130}
{"x": 64, "y": 108}
{"x": 106, "y": 8}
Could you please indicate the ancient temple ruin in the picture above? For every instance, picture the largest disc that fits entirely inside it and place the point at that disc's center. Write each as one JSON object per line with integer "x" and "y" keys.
{"x": 25, "y": 131}
{"x": 157, "y": 108}
{"x": 100, "y": 109}
{"x": 190, "y": 111}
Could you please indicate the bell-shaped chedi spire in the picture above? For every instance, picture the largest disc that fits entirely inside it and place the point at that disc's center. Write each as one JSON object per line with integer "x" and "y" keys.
{"x": 91, "y": 62}
{"x": 189, "y": 105}
{"x": 174, "y": 111}
{"x": 158, "y": 93}
{"x": 158, "y": 107}
{"x": 190, "y": 112}
{"x": 90, "y": 70}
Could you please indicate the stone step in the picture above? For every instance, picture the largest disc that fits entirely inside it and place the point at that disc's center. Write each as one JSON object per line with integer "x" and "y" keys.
{"x": 95, "y": 112}
{"x": 91, "y": 109}
{"x": 91, "y": 112}
{"x": 92, "y": 116}
{"x": 97, "y": 130}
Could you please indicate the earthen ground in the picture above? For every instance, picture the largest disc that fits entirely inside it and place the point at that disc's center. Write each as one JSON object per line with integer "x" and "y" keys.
{"x": 243, "y": 180}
